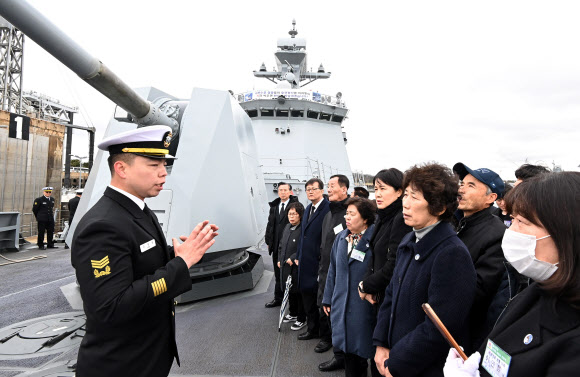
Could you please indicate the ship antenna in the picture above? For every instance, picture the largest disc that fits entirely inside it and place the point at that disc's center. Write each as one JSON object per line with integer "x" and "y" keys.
{"x": 293, "y": 32}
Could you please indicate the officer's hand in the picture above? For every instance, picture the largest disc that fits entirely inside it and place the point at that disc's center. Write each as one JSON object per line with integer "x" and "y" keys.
{"x": 289, "y": 262}
{"x": 296, "y": 261}
{"x": 278, "y": 264}
{"x": 196, "y": 244}
{"x": 326, "y": 310}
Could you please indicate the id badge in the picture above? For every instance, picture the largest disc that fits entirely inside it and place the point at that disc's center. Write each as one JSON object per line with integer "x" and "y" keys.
{"x": 338, "y": 229}
{"x": 495, "y": 360}
{"x": 358, "y": 255}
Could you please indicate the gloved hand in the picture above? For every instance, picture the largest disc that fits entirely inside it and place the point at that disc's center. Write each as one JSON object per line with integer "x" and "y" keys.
{"x": 455, "y": 367}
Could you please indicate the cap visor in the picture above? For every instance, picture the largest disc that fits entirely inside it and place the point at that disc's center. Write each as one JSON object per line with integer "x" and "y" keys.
{"x": 156, "y": 157}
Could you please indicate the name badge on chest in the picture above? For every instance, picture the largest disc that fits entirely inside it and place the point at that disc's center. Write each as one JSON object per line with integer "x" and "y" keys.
{"x": 147, "y": 245}
{"x": 495, "y": 360}
{"x": 338, "y": 229}
{"x": 358, "y": 255}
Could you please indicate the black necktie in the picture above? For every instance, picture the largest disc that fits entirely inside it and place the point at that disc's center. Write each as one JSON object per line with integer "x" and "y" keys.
{"x": 149, "y": 214}
{"x": 312, "y": 210}
{"x": 282, "y": 209}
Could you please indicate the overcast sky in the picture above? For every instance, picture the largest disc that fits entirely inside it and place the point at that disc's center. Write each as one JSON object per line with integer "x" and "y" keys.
{"x": 491, "y": 84}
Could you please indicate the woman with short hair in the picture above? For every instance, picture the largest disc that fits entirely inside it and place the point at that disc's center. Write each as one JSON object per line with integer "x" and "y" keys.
{"x": 286, "y": 262}
{"x": 390, "y": 228}
{"x": 538, "y": 334}
{"x": 433, "y": 266}
{"x": 352, "y": 319}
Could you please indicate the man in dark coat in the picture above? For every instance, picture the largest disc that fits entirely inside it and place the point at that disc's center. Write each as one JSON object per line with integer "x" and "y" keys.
{"x": 73, "y": 204}
{"x": 277, "y": 221}
{"x": 309, "y": 253}
{"x": 42, "y": 210}
{"x": 128, "y": 276}
{"x": 482, "y": 233}
{"x": 332, "y": 224}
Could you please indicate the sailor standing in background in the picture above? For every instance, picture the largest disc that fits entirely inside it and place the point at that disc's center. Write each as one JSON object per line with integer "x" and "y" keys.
{"x": 72, "y": 206}
{"x": 127, "y": 274}
{"x": 42, "y": 210}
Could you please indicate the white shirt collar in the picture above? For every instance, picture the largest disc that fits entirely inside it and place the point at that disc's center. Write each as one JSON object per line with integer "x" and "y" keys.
{"x": 317, "y": 204}
{"x": 137, "y": 201}
{"x": 285, "y": 203}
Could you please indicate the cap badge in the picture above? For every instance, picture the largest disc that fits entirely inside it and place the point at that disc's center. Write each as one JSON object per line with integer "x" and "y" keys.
{"x": 167, "y": 140}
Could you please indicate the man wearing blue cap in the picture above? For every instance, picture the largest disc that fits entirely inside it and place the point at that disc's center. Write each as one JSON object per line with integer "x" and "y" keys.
{"x": 482, "y": 232}
{"x": 128, "y": 276}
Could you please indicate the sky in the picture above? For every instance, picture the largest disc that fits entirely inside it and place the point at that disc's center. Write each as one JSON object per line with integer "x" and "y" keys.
{"x": 491, "y": 84}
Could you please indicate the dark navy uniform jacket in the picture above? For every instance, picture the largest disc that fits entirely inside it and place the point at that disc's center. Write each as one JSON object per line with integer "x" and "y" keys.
{"x": 128, "y": 280}
{"x": 43, "y": 209}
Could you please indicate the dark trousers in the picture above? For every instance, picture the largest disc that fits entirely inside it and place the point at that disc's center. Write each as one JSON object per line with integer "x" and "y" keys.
{"x": 278, "y": 291}
{"x": 296, "y": 306}
{"x": 311, "y": 310}
{"x": 326, "y": 334}
{"x": 49, "y": 227}
{"x": 325, "y": 329}
{"x": 354, "y": 365}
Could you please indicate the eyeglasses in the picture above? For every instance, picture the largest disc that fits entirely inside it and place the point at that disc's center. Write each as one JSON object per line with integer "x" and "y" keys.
{"x": 312, "y": 189}
{"x": 292, "y": 214}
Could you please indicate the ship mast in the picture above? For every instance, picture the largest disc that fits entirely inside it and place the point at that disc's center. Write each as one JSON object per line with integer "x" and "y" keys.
{"x": 291, "y": 62}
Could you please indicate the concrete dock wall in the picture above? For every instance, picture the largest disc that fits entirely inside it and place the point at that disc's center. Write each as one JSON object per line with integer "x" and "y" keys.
{"x": 26, "y": 166}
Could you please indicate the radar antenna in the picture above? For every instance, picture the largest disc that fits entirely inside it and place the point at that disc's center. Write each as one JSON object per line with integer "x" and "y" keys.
{"x": 293, "y": 32}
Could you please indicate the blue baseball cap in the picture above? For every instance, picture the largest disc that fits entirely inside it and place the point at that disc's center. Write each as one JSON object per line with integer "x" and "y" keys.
{"x": 484, "y": 175}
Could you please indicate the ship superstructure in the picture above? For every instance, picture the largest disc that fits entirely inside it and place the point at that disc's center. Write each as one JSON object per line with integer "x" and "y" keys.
{"x": 299, "y": 132}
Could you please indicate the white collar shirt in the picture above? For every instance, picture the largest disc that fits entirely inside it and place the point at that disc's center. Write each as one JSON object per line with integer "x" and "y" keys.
{"x": 135, "y": 199}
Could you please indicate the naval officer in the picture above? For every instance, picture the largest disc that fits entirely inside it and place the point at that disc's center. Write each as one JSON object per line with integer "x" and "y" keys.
{"x": 127, "y": 274}
{"x": 42, "y": 210}
{"x": 73, "y": 204}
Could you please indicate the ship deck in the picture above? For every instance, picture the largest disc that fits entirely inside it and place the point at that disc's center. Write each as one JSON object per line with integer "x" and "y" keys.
{"x": 233, "y": 335}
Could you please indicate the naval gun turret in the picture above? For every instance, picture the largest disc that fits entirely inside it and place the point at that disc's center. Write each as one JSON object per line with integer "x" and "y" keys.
{"x": 216, "y": 159}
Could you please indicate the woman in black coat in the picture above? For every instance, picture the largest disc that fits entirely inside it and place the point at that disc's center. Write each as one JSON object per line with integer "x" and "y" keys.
{"x": 389, "y": 231}
{"x": 538, "y": 334}
{"x": 433, "y": 266}
{"x": 286, "y": 257}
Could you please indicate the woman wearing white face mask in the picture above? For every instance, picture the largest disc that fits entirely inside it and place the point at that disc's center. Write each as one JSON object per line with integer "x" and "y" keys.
{"x": 539, "y": 332}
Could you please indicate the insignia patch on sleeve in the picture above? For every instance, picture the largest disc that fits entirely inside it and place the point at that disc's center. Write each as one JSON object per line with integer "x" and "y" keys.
{"x": 35, "y": 203}
{"x": 159, "y": 287}
{"x": 99, "y": 265}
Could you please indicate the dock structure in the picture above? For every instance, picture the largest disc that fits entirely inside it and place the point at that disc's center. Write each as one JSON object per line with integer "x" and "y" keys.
{"x": 31, "y": 159}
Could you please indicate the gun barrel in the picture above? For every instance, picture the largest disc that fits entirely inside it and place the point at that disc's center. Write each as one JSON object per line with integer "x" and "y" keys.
{"x": 41, "y": 30}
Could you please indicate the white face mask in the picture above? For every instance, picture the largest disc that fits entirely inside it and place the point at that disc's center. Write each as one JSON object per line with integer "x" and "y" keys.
{"x": 520, "y": 250}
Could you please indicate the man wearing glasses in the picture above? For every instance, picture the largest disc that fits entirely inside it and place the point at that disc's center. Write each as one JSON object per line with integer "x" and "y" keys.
{"x": 308, "y": 255}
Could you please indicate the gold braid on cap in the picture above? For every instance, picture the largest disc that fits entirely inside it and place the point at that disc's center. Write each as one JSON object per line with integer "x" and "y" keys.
{"x": 146, "y": 150}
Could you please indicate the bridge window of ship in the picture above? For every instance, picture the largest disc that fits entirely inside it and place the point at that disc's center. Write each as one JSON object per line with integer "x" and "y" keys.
{"x": 282, "y": 113}
{"x": 312, "y": 114}
{"x": 324, "y": 116}
{"x": 252, "y": 113}
{"x": 297, "y": 113}
{"x": 337, "y": 118}
{"x": 267, "y": 112}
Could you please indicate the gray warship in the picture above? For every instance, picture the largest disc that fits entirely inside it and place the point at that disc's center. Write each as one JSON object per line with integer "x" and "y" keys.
{"x": 223, "y": 328}
{"x": 299, "y": 132}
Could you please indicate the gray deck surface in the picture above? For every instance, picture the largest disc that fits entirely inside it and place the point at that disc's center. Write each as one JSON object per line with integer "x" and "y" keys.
{"x": 233, "y": 335}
